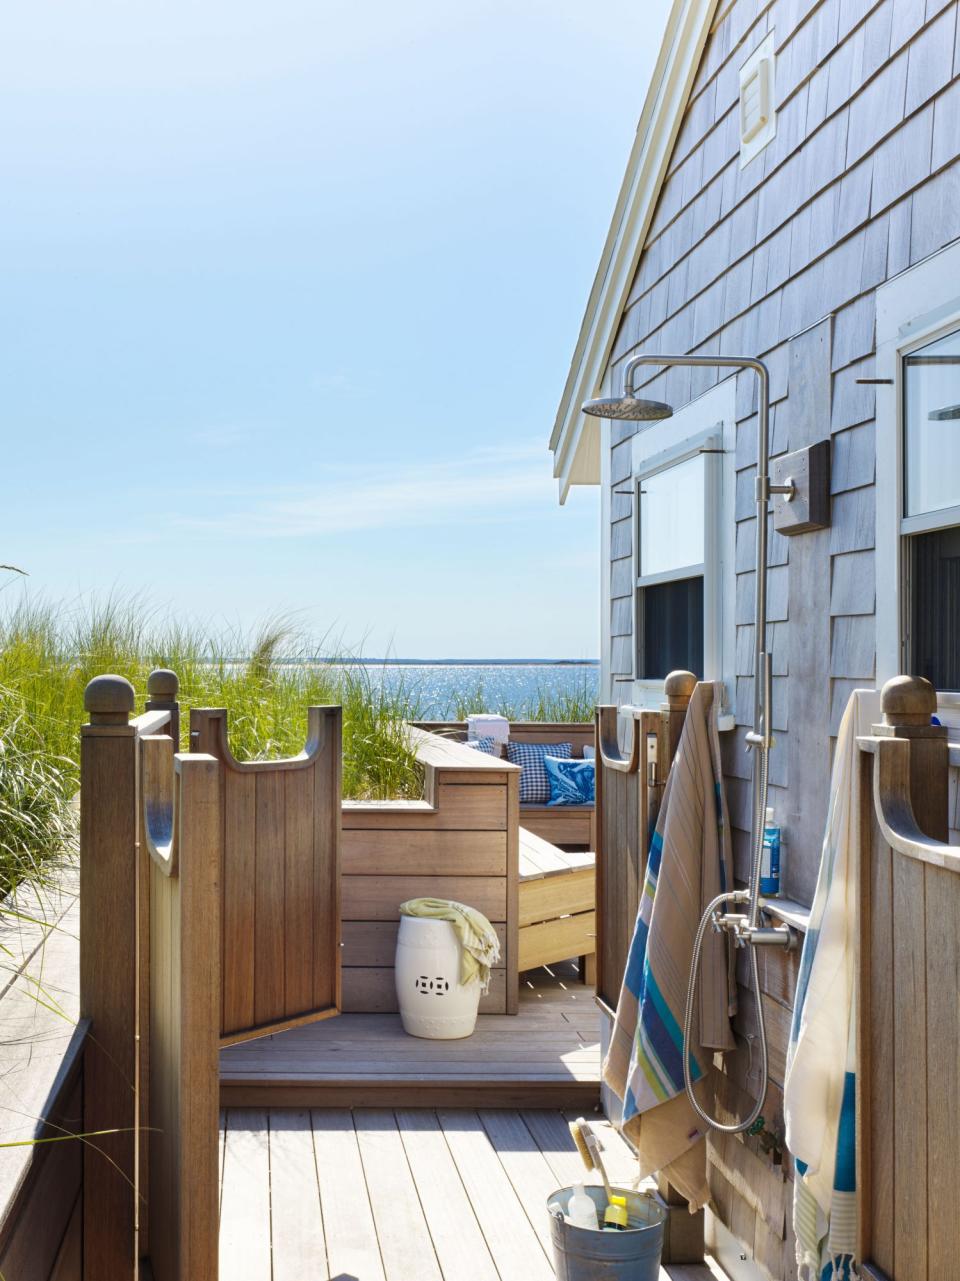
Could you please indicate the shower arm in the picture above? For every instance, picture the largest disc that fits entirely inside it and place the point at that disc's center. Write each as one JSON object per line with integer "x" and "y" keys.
{"x": 761, "y": 734}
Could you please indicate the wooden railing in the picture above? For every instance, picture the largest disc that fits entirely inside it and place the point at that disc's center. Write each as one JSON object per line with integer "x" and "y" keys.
{"x": 41, "y": 1067}
{"x": 630, "y": 784}
{"x": 908, "y": 1080}
{"x": 459, "y": 842}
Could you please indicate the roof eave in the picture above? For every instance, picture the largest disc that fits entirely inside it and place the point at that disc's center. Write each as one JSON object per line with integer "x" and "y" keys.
{"x": 573, "y": 441}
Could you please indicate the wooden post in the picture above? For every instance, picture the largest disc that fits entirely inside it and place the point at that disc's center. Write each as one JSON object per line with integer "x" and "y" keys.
{"x": 163, "y": 686}
{"x": 108, "y": 979}
{"x": 678, "y": 688}
{"x": 908, "y": 702}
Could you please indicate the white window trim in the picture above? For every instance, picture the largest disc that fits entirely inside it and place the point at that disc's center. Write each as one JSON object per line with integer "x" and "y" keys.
{"x": 915, "y": 308}
{"x": 707, "y": 422}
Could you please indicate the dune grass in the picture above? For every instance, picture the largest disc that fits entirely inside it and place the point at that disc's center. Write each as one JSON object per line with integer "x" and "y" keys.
{"x": 266, "y": 681}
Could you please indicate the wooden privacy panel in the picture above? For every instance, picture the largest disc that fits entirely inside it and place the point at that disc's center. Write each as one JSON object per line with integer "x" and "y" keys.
{"x": 629, "y": 788}
{"x": 908, "y": 1078}
{"x": 180, "y": 1042}
{"x": 280, "y": 877}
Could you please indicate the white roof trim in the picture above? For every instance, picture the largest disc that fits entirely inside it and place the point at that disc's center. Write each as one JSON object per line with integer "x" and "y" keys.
{"x": 575, "y": 441}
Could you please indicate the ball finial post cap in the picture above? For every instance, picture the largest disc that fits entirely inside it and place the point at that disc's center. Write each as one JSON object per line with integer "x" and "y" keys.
{"x": 679, "y": 684}
{"x": 109, "y": 699}
{"x": 163, "y": 685}
{"x": 908, "y": 700}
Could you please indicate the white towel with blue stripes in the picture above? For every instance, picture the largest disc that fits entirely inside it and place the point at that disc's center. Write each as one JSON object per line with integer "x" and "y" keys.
{"x": 820, "y": 1084}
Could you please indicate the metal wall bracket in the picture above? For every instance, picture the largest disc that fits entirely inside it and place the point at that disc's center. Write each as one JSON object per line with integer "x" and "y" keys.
{"x": 808, "y": 506}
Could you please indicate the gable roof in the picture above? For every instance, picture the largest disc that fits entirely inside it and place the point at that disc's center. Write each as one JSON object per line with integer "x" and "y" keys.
{"x": 575, "y": 440}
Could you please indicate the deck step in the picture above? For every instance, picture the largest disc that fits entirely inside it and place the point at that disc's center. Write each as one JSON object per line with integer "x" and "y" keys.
{"x": 547, "y": 1056}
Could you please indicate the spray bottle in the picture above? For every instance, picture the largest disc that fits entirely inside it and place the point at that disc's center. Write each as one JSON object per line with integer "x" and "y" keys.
{"x": 770, "y": 861}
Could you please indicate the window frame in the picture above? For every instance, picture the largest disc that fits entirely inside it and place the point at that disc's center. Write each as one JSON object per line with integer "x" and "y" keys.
{"x": 914, "y": 309}
{"x": 709, "y": 422}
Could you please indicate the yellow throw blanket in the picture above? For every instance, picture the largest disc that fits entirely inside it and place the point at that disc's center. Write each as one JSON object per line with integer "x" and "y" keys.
{"x": 479, "y": 945}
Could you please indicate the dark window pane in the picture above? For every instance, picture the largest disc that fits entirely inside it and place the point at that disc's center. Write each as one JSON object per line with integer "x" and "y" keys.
{"x": 936, "y": 607}
{"x": 671, "y": 628}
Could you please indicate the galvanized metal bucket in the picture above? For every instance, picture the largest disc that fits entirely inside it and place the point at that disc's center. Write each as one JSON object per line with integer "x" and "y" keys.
{"x": 631, "y": 1255}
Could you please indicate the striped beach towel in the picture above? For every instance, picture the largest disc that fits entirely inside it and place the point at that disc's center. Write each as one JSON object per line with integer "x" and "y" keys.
{"x": 819, "y": 1100}
{"x": 689, "y": 863}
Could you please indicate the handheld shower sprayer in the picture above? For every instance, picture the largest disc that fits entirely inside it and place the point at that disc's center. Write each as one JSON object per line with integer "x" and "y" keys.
{"x": 744, "y": 926}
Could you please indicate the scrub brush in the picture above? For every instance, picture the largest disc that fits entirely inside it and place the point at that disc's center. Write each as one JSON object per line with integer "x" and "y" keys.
{"x": 588, "y": 1145}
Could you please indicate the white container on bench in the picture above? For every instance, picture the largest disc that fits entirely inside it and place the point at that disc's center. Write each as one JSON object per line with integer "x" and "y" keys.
{"x": 488, "y": 725}
{"x": 433, "y": 1003}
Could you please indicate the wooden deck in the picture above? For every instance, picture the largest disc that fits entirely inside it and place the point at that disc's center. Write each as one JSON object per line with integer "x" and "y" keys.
{"x": 548, "y": 1055}
{"x": 399, "y": 1195}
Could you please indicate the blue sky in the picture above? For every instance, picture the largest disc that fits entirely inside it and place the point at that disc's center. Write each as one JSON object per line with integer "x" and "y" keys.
{"x": 290, "y": 292}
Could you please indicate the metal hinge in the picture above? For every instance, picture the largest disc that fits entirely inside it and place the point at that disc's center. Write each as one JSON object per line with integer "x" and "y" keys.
{"x": 652, "y": 757}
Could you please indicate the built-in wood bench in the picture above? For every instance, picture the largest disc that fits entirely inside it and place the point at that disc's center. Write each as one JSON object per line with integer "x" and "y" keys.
{"x": 557, "y": 910}
{"x": 567, "y": 825}
{"x": 458, "y": 842}
{"x": 462, "y": 841}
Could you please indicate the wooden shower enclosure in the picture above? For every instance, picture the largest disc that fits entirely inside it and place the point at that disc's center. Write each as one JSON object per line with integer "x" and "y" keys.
{"x": 210, "y": 912}
{"x": 908, "y": 1071}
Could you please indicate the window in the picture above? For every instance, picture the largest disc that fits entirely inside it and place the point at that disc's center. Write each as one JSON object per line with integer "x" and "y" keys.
{"x": 918, "y": 476}
{"x": 931, "y": 508}
{"x": 672, "y": 504}
{"x": 683, "y": 483}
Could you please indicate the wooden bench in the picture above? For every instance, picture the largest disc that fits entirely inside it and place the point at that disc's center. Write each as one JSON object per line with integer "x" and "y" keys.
{"x": 569, "y": 825}
{"x": 557, "y": 912}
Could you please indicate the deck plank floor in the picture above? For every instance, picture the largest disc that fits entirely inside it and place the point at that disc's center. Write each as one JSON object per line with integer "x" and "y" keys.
{"x": 547, "y": 1055}
{"x": 399, "y": 1194}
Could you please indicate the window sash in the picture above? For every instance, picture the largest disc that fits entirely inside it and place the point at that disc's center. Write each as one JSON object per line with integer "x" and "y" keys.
{"x": 708, "y": 448}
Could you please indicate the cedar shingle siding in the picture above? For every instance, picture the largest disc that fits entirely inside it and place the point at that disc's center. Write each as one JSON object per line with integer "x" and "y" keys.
{"x": 781, "y": 259}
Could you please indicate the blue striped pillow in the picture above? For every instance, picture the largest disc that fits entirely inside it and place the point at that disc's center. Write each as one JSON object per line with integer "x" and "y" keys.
{"x": 534, "y": 783}
{"x": 488, "y": 745}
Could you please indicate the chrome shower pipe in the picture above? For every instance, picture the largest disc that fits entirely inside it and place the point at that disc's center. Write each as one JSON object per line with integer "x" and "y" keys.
{"x": 744, "y": 927}
{"x": 763, "y": 490}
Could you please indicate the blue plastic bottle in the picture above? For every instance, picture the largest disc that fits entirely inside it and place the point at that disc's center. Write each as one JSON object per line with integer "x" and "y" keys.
{"x": 770, "y": 860}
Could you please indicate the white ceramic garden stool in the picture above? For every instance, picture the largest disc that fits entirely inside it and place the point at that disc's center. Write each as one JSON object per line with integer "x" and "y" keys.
{"x": 433, "y": 1002}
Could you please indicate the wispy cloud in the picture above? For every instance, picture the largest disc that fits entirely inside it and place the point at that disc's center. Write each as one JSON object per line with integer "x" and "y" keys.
{"x": 485, "y": 485}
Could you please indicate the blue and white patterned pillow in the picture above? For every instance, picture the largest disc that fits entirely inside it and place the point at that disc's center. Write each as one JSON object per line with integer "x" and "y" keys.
{"x": 534, "y": 783}
{"x": 572, "y": 782}
{"x": 488, "y": 745}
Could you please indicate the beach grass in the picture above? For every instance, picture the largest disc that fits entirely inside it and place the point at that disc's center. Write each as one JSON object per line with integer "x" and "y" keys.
{"x": 265, "y": 680}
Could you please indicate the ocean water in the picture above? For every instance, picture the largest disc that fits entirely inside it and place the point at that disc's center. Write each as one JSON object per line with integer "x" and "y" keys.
{"x": 512, "y": 688}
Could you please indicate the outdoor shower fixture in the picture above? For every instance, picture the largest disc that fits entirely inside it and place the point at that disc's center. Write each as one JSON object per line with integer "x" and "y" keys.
{"x": 745, "y": 927}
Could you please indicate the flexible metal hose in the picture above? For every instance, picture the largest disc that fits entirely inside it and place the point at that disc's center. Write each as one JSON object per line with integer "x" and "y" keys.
{"x": 751, "y": 896}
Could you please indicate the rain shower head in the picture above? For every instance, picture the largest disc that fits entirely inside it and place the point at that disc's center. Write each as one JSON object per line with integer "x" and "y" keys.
{"x": 627, "y": 407}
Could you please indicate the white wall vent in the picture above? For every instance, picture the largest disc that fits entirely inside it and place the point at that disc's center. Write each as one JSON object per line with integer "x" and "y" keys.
{"x": 758, "y": 117}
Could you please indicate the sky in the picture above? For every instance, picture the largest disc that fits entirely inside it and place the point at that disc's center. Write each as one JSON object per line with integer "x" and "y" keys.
{"x": 290, "y": 292}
